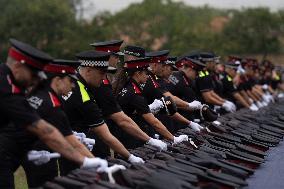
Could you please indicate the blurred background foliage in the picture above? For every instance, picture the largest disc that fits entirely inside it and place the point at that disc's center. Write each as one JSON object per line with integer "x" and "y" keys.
{"x": 57, "y": 27}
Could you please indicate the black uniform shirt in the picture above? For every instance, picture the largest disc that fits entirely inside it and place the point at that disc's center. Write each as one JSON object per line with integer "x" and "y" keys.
{"x": 81, "y": 107}
{"x": 105, "y": 99}
{"x": 217, "y": 83}
{"x": 182, "y": 86}
{"x": 13, "y": 105}
{"x": 228, "y": 86}
{"x": 49, "y": 106}
{"x": 152, "y": 90}
{"x": 204, "y": 82}
{"x": 131, "y": 100}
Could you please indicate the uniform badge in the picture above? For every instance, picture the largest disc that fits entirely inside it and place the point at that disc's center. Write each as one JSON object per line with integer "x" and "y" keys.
{"x": 35, "y": 102}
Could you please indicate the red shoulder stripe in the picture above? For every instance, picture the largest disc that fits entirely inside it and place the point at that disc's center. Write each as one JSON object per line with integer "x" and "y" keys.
{"x": 136, "y": 88}
{"x": 15, "y": 89}
{"x": 55, "y": 101}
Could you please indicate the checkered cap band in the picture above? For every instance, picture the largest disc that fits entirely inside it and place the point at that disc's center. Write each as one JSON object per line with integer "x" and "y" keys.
{"x": 137, "y": 54}
{"x": 94, "y": 63}
{"x": 170, "y": 62}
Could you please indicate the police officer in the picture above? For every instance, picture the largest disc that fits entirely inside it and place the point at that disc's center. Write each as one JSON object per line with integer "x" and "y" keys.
{"x": 21, "y": 71}
{"x": 247, "y": 84}
{"x": 230, "y": 89}
{"x": 46, "y": 100}
{"x": 158, "y": 62}
{"x": 152, "y": 89}
{"x": 81, "y": 107}
{"x": 181, "y": 83}
{"x": 116, "y": 119}
{"x": 204, "y": 84}
{"x": 135, "y": 105}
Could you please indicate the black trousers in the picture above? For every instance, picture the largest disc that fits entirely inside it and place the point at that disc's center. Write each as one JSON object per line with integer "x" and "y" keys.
{"x": 10, "y": 156}
{"x": 37, "y": 175}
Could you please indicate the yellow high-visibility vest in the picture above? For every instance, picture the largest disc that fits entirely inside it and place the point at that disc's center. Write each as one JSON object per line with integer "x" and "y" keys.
{"x": 84, "y": 94}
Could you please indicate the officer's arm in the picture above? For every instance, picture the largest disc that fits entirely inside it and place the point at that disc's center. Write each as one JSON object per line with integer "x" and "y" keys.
{"x": 181, "y": 104}
{"x": 79, "y": 146}
{"x": 55, "y": 140}
{"x": 217, "y": 96}
{"x": 245, "y": 96}
{"x": 103, "y": 132}
{"x": 158, "y": 126}
{"x": 239, "y": 98}
{"x": 178, "y": 117}
{"x": 207, "y": 96}
{"x": 128, "y": 125}
{"x": 251, "y": 95}
{"x": 257, "y": 91}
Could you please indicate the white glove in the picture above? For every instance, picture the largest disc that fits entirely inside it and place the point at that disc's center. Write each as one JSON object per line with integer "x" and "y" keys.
{"x": 281, "y": 95}
{"x": 156, "y": 106}
{"x": 265, "y": 87}
{"x": 195, "y": 126}
{"x": 88, "y": 142}
{"x": 240, "y": 70}
{"x": 232, "y": 105}
{"x": 157, "y": 143}
{"x": 180, "y": 139}
{"x": 113, "y": 169}
{"x": 39, "y": 157}
{"x": 217, "y": 123}
{"x": 195, "y": 105}
{"x": 264, "y": 103}
{"x": 227, "y": 107}
{"x": 266, "y": 98}
{"x": 134, "y": 159}
{"x": 259, "y": 104}
{"x": 98, "y": 163}
{"x": 253, "y": 107}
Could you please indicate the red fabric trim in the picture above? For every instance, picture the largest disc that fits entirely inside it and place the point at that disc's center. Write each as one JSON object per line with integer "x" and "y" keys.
{"x": 159, "y": 59}
{"x": 17, "y": 55}
{"x": 136, "y": 88}
{"x": 137, "y": 64}
{"x": 185, "y": 80}
{"x": 55, "y": 101}
{"x": 53, "y": 68}
{"x": 106, "y": 81}
{"x": 15, "y": 89}
{"x": 156, "y": 85}
{"x": 109, "y": 48}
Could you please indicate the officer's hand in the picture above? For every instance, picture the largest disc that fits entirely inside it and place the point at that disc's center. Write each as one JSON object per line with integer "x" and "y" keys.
{"x": 98, "y": 163}
{"x": 253, "y": 107}
{"x": 156, "y": 106}
{"x": 113, "y": 169}
{"x": 180, "y": 139}
{"x": 195, "y": 105}
{"x": 233, "y": 106}
{"x": 43, "y": 157}
{"x": 259, "y": 104}
{"x": 157, "y": 143}
{"x": 195, "y": 126}
{"x": 134, "y": 159}
{"x": 227, "y": 107}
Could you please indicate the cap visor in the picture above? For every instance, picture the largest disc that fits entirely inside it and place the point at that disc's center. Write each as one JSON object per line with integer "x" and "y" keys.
{"x": 111, "y": 69}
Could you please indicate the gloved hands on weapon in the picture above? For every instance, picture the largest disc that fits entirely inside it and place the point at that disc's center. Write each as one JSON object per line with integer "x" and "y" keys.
{"x": 88, "y": 142}
{"x": 156, "y": 106}
{"x": 195, "y": 105}
{"x": 157, "y": 143}
{"x": 134, "y": 159}
{"x": 180, "y": 139}
{"x": 41, "y": 157}
{"x": 195, "y": 126}
{"x": 229, "y": 106}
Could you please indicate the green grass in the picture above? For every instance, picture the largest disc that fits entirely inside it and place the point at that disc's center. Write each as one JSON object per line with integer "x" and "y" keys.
{"x": 20, "y": 179}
